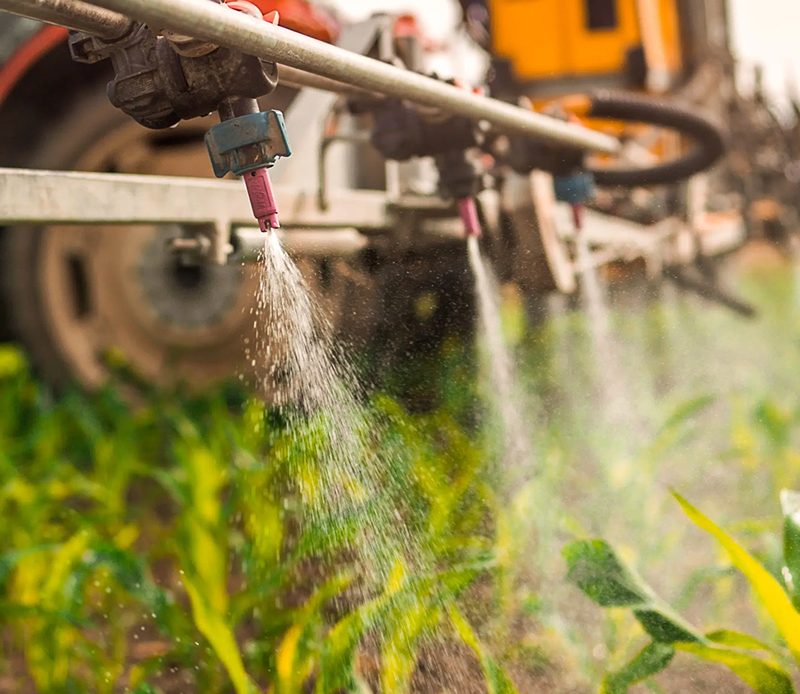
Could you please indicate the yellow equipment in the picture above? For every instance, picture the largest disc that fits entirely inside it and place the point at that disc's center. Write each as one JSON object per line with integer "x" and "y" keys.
{"x": 561, "y": 44}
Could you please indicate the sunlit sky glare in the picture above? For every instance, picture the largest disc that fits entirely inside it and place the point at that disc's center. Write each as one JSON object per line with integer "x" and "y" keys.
{"x": 765, "y": 32}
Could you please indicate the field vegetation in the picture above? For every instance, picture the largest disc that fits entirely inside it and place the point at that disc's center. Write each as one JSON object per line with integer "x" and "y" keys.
{"x": 167, "y": 546}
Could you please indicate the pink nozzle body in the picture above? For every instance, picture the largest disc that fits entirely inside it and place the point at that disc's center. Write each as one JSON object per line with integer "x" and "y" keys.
{"x": 469, "y": 216}
{"x": 577, "y": 216}
{"x": 262, "y": 199}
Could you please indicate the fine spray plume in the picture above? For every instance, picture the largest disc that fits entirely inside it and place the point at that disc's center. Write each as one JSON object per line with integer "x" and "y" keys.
{"x": 503, "y": 398}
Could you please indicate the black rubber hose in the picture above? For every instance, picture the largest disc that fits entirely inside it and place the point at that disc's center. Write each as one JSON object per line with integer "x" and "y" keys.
{"x": 709, "y": 142}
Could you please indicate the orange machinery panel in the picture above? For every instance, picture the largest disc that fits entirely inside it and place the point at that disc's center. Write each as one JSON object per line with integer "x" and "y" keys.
{"x": 552, "y": 39}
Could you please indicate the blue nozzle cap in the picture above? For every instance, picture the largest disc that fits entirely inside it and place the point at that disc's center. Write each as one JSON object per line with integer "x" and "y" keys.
{"x": 246, "y": 143}
{"x": 574, "y": 189}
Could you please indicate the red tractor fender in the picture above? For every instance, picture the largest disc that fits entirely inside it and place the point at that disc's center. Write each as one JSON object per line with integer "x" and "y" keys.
{"x": 26, "y": 55}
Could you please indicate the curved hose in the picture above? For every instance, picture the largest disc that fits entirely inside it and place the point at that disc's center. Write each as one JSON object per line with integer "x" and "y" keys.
{"x": 709, "y": 143}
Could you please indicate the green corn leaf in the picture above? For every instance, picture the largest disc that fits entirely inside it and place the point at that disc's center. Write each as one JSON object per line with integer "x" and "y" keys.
{"x": 290, "y": 668}
{"x": 215, "y": 628}
{"x": 293, "y": 656}
{"x": 497, "y": 681}
{"x": 665, "y": 626}
{"x": 687, "y": 410}
{"x": 9, "y": 560}
{"x": 338, "y": 653}
{"x": 651, "y": 660}
{"x": 413, "y": 615}
{"x": 145, "y": 688}
{"x": 341, "y": 643}
{"x": 595, "y": 568}
{"x": 790, "y": 503}
{"x": 762, "y": 676}
{"x": 768, "y": 590}
{"x": 12, "y": 363}
{"x": 774, "y": 421}
{"x": 203, "y": 554}
{"x": 342, "y": 640}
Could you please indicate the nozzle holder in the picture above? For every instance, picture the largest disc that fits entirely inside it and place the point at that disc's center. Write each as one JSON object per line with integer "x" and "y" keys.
{"x": 574, "y": 189}
{"x": 246, "y": 143}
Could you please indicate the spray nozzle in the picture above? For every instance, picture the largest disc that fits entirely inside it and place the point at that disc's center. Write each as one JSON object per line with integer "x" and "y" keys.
{"x": 575, "y": 189}
{"x": 247, "y": 145}
{"x": 262, "y": 199}
{"x": 468, "y": 211}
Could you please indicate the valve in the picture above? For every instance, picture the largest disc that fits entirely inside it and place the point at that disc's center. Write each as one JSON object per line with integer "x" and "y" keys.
{"x": 247, "y": 141}
{"x": 575, "y": 189}
{"x": 401, "y": 132}
{"x": 160, "y": 80}
{"x": 572, "y": 182}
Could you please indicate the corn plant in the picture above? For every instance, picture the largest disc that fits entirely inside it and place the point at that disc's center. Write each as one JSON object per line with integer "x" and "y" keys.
{"x": 595, "y": 568}
{"x": 167, "y": 548}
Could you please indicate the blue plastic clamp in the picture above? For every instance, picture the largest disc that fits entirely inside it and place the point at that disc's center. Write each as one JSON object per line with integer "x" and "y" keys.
{"x": 574, "y": 189}
{"x": 246, "y": 143}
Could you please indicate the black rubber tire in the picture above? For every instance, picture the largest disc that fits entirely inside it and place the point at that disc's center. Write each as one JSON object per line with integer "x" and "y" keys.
{"x": 708, "y": 139}
{"x": 87, "y": 117}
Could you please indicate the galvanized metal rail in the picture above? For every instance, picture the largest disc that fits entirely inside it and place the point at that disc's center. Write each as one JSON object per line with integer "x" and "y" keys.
{"x": 214, "y": 23}
{"x": 107, "y": 24}
{"x": 33, "y": 196}
{"x": 77, "y": 197}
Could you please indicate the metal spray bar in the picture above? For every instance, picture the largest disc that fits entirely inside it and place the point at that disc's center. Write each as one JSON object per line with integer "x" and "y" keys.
{"x": 292, "y": 77}
{"x": 307, "y": 62}
{"x": 214, "y": 23}
{"x": 107, "y": 24}
{"x": 73, "y": 14}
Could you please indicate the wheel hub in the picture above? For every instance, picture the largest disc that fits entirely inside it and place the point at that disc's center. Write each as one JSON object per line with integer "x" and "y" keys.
{"x": 183, "y": 292}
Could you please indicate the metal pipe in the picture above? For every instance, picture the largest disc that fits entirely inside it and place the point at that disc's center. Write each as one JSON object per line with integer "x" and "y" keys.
{"x": 292, "y": 77}
{"x": 210, "y": 22}
{"x": 73, "y": 14}
{"x": 249, "y": 243}
{"x": 70, "y": 197}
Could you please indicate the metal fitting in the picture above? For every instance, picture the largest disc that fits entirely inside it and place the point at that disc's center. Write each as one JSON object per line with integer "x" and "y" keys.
{"x": 249, "y": 142}
{"x": 575, "y": 189}
{"x": 159, "y": 81}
